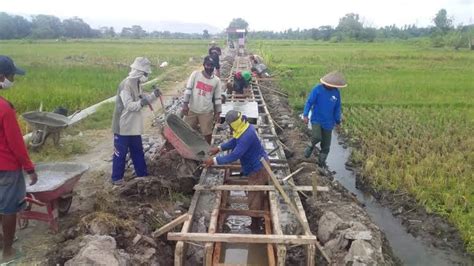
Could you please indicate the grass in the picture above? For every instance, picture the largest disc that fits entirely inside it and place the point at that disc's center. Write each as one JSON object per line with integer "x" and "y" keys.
{"x": 76, "y": 74}
{"x": 409, "y": 110}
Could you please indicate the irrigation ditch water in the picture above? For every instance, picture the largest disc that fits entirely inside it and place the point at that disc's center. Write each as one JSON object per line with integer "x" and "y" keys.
{"x": 410, "y": 250}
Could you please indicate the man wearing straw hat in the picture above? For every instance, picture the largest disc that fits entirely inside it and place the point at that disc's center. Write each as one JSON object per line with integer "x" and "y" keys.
{"x": 324, "y": 102}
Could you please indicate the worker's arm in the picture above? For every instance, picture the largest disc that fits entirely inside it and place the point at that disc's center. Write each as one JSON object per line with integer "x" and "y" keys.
{"x": 229, "y": 145}
{"x": 128, "y": 102}
{"x": 337, "y": 110}
{"x": 236, "y": 154}
{"x": 216, "y": 98}
{"x": 188, "y": 91}
{"x": 310, "y": 102}
{"x": 15, "y": 141}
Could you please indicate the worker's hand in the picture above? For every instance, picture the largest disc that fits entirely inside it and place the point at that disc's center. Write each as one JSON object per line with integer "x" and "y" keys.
{"x": 185, "y": 109}
{"x": 305, "y": 120}
{"x": 156, "y": 91}
{"x": 33, "y": 178}
{"x": 209, "y": 162}
{"x": 217, "y": 117}
{"x": 144, "y": 101}
{"x": 214, "y": 150}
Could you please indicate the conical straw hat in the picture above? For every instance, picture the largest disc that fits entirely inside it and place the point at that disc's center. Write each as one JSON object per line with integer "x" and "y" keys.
{"x": 334, "y": 79}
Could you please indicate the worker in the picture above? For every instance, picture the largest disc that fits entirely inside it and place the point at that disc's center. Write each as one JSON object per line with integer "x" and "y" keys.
{"x": 14, "y": 160}
{"x": 246, "y": 147}
{"x": 255, "y": 59}
{"x": 214, "y": 53}
{"x": 324, "y": 102}
{"x": 202, "y": 103}
{"x": 241, "y": 81}
{"x": 127, "y": 122}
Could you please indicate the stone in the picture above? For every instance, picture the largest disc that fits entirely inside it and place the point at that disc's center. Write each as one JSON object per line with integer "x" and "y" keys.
{"x": 358, "y": 235}
{"x": 360, "y": 253}
{"x": 99, "y": 250}
{"x": 328, "y": 224}
{"x": 335, "y": 245}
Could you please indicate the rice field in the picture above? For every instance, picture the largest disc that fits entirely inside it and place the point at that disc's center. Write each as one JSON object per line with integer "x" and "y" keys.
{"x": 76, "y": 74}
{"x": 409, "y": 110}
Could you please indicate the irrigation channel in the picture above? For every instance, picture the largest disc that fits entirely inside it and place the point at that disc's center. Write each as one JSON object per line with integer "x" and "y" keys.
{"x": 224, "y": 229}
{"x": 410, "y": 250}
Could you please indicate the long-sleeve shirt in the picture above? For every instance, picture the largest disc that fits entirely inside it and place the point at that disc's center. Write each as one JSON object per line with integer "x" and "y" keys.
{"x": 128, "y": 118}
{"x": 325, "y": 105}
{"x": 247, "y": 148}
{"x": 203, "y": 94}
{"x": 13, "y": 153}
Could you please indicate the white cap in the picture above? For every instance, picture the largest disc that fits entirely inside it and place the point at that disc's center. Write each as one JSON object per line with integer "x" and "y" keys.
{"x": 142, "y": 64}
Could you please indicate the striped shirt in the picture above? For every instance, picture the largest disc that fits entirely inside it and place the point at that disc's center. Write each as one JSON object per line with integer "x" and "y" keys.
{"x": 203, "y": 94}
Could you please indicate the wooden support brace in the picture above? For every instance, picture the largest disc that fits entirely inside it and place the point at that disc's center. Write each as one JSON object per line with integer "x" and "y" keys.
{"x": 165, "y": 228}
{"x": 243, "y": 238}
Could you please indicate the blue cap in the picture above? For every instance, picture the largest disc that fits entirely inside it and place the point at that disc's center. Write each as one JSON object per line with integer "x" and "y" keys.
{"x": 7, "y": 67}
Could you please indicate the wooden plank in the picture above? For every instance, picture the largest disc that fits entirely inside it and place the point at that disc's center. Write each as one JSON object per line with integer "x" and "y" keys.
{"x": 292, "y": 174}
{"x": 250, "y": 213}
{"x": 284, "y": 195}
{"x": 281, "y": 249}
{"x": 220, "y": 225}
{"x": 209, "y": 247}
{"x": 165, "y": 228}
{"x": 268, "y": 231}
{"x": 255, "y": 188}
{"x": 243, "y": 238}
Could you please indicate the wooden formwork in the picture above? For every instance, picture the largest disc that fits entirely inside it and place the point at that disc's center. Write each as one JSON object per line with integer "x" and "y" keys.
{"x": 273, "y": 237}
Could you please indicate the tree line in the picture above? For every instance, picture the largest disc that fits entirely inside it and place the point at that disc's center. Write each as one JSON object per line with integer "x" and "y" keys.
{"x": 349, "y": 28}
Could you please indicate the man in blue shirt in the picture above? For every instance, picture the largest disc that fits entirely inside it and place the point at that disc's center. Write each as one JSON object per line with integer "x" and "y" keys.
{"x": 324, "y": 102}
{"x": 247, "y": 148}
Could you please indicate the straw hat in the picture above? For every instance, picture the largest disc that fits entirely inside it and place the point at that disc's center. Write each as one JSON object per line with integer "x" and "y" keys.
{"x": 334, "y": 79}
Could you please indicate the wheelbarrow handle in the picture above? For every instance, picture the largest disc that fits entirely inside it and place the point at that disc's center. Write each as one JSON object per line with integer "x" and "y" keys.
{"x": 31, "y": 199}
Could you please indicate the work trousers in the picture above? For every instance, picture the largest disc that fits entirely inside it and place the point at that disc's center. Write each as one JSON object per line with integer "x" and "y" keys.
{"x": 256, "y": 198}
{"x": 319, "y": 134}
{"x": 123, "y": 145}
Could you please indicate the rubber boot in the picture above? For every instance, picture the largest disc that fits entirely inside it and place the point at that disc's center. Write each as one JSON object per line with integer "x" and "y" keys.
{"x": 322, "y": 160}
{"x": 308, "y": 151}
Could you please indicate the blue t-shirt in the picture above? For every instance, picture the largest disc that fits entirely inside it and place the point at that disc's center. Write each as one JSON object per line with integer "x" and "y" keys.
{"x": 247, "y": 148}
{"x": 325, "y": 106}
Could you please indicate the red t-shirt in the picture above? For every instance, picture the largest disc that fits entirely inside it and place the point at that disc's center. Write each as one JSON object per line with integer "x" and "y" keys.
{"x": 13, "y": 153}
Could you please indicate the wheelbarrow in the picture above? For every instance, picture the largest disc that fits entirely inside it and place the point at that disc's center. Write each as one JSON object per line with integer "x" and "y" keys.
{"x": 189, "y": 143}
{"x": 54, "y": 190}
{"x": 44, "y": 124}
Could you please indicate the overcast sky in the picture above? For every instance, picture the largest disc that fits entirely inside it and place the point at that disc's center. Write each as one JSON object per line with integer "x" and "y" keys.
{"x": 261, "y": 15}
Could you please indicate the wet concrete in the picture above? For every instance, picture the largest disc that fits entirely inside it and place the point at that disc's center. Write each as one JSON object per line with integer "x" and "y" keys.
{"x": 190, "y": 139}
{"x": 410, "y": 250}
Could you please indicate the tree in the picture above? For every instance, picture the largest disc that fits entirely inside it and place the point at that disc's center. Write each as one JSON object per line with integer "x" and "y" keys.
{"x": 13, "y": 27}
{"x": 239, "y": 23}
{"x": 46, "y": 27}
{"x": 442, "y": 22}
{"x": 76, "y": 28}
{"x": 350, "y": 26}
{"x": 205, "y": 34}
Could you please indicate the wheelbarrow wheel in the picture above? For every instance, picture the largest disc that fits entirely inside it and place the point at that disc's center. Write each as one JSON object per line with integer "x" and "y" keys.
{"x": 64, "y": 204}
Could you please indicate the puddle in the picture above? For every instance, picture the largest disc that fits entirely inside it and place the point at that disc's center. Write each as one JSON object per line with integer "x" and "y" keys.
{"x": 410, "y": 250}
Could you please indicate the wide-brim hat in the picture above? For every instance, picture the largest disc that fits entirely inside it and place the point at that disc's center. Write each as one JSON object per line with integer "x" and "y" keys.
{"x": 334, "y": 79}
{"x": 142, "y": 64}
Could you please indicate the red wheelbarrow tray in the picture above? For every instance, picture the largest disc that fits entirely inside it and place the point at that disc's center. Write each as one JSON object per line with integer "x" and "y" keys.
{"x": 189, "y": 143}
{"x": 55, "y": 180}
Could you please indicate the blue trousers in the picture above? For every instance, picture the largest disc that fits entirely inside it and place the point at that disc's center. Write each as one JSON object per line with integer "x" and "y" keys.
{"x": 122, "y": 145}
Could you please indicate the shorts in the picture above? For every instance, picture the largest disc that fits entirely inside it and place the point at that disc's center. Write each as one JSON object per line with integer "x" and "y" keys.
{"x": 205, "y": 121}
{"x": 12, "y": 192}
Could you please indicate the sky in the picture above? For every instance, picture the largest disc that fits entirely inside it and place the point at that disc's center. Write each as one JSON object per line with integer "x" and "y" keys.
{"x": 273, "y": 15}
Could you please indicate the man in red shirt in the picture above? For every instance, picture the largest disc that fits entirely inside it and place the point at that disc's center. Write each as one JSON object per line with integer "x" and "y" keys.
{"x": 14, "y": 160}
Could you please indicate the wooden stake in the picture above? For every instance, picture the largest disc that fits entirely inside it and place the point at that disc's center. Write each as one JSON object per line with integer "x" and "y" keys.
{"x": 165, "y": 228}
{"x": 292, "y": 174}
